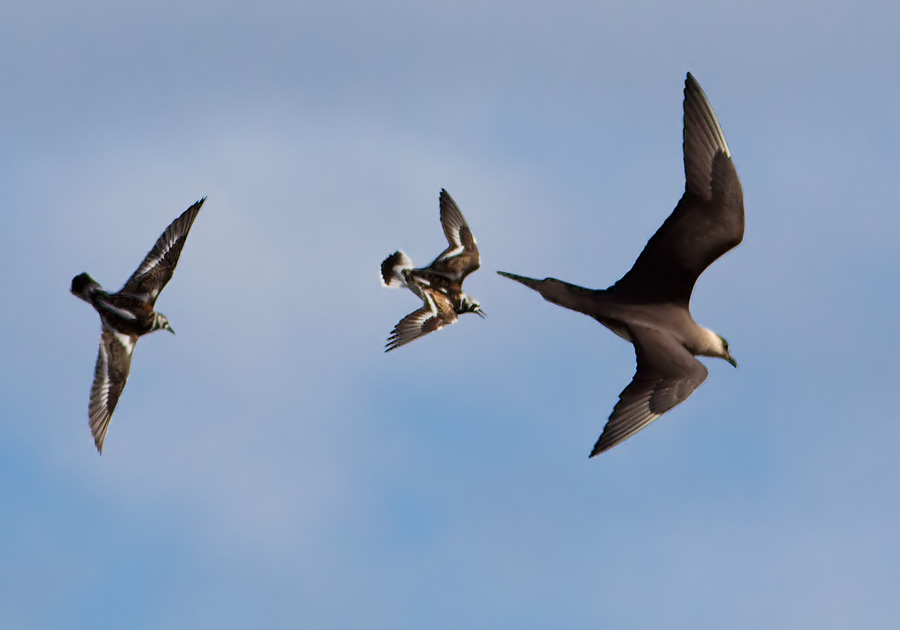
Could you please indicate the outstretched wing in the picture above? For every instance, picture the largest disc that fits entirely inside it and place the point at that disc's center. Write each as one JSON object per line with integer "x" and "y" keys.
{"x": 156, "y": 270}
{"x": 461, "y": 258}
{"x": 110, "y": 375}
{"x": 667, "y": 374}
{"x": 437, "y": 313}
{"x": 708, "y": 220}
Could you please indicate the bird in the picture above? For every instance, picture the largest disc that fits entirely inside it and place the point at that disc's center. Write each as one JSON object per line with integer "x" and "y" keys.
{"x": 127, "y": 315}
{"x": 439, "y": 285}
{"x": 650, "y": 305}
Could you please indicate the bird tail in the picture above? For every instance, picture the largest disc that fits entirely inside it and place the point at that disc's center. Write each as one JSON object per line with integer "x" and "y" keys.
{"x": 531, "y": 283}
{"x": 392, "y": 269}
{"x": 84, "y": 286}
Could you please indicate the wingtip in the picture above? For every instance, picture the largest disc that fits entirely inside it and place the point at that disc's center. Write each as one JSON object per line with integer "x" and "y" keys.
{"x": 393, "y": 341}
{"x": 98, "y": 432}
{"x": 691, "y": 85}
{"x": 445, "y": 197}
{"x": 698, "y": 106}
{"x": 448, "y": 204}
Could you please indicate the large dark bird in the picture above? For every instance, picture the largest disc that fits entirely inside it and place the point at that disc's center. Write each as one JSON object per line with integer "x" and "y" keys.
{"x": 650, "y": 305}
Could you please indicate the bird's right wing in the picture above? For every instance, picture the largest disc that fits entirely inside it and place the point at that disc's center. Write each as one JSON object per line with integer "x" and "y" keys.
{"x": 708, "y": 220}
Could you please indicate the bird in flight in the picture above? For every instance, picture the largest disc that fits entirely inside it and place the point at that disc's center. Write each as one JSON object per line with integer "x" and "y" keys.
{"x": 650, "y": 305}
{"x": 127, "y": 315}
{"x": 439, "y": 284}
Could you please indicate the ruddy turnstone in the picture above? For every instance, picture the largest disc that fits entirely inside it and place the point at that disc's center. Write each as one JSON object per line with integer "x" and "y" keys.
{"x": 439, "y": 284}
{"x": 127, "y": 315}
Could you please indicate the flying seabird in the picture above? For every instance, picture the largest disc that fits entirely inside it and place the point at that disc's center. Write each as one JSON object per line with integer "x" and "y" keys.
{"x": 650, "y": 305}
{"x": 127, "y": 315}
{"x": 439, "y": 284}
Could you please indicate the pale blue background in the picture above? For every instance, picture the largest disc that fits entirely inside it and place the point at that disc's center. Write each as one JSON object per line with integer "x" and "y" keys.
{"x": 270, "y": 467}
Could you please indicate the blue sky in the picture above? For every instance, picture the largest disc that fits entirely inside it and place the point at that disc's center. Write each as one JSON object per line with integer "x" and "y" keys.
{"x": 269, "y": 465}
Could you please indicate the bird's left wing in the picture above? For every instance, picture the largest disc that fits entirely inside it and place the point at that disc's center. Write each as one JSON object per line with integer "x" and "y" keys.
{"x": 667, "y": 374}
{"x": 157, "y": 268}
{"x": 110, "y": 375}
{"x": 437, "y": 313}
{"x": 708, "y": 220}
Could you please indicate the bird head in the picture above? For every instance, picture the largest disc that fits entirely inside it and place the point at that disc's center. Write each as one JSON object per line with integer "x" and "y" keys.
{"x": 160, "y": 321}
{"x": 724, "y": 352}
{"x": 468, "y": 305}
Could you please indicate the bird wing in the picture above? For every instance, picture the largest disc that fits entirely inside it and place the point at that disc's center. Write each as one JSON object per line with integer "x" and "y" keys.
{"x": 461, "y": 258}
{"x": 708, "y": 220}
{"x": 667, "y": 374}
{"x": 437, "y": 313}
{"x": 110, "y": 375}
{"x": 157, "y": 268}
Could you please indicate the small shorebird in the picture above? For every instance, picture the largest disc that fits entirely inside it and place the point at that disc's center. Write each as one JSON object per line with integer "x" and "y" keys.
{"x": 439, "y": 284}
{"x": 127, "y": 315}
{"x": 650, "y": 305}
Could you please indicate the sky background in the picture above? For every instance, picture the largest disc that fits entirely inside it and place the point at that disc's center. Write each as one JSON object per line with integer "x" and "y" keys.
{"x": 269, "y": 466}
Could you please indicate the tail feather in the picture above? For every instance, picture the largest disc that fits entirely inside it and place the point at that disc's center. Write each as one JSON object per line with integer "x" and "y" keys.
{"x": 531, "y": 283}
{"x": 83, "y": 286}
{"x": 392, "y": 269}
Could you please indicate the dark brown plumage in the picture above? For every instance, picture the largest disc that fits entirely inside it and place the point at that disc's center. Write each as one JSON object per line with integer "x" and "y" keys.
{"x": 650, "y": 305}
{"x": 127, "y": 315}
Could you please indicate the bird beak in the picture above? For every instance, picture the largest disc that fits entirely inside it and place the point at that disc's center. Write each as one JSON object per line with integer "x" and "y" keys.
{"x": 731, "y": 360}
{"x": 480, "y": 313}
{"x": 171, "y": 330}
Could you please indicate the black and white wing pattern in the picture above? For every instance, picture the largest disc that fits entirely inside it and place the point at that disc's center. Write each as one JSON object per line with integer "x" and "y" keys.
{"x": 110, "y": 375}
{"x": 157, "y": 268}
{"x": 461, "y": 258}
{"x": 667, "y": 374}
{"x": 434, "y": 315}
